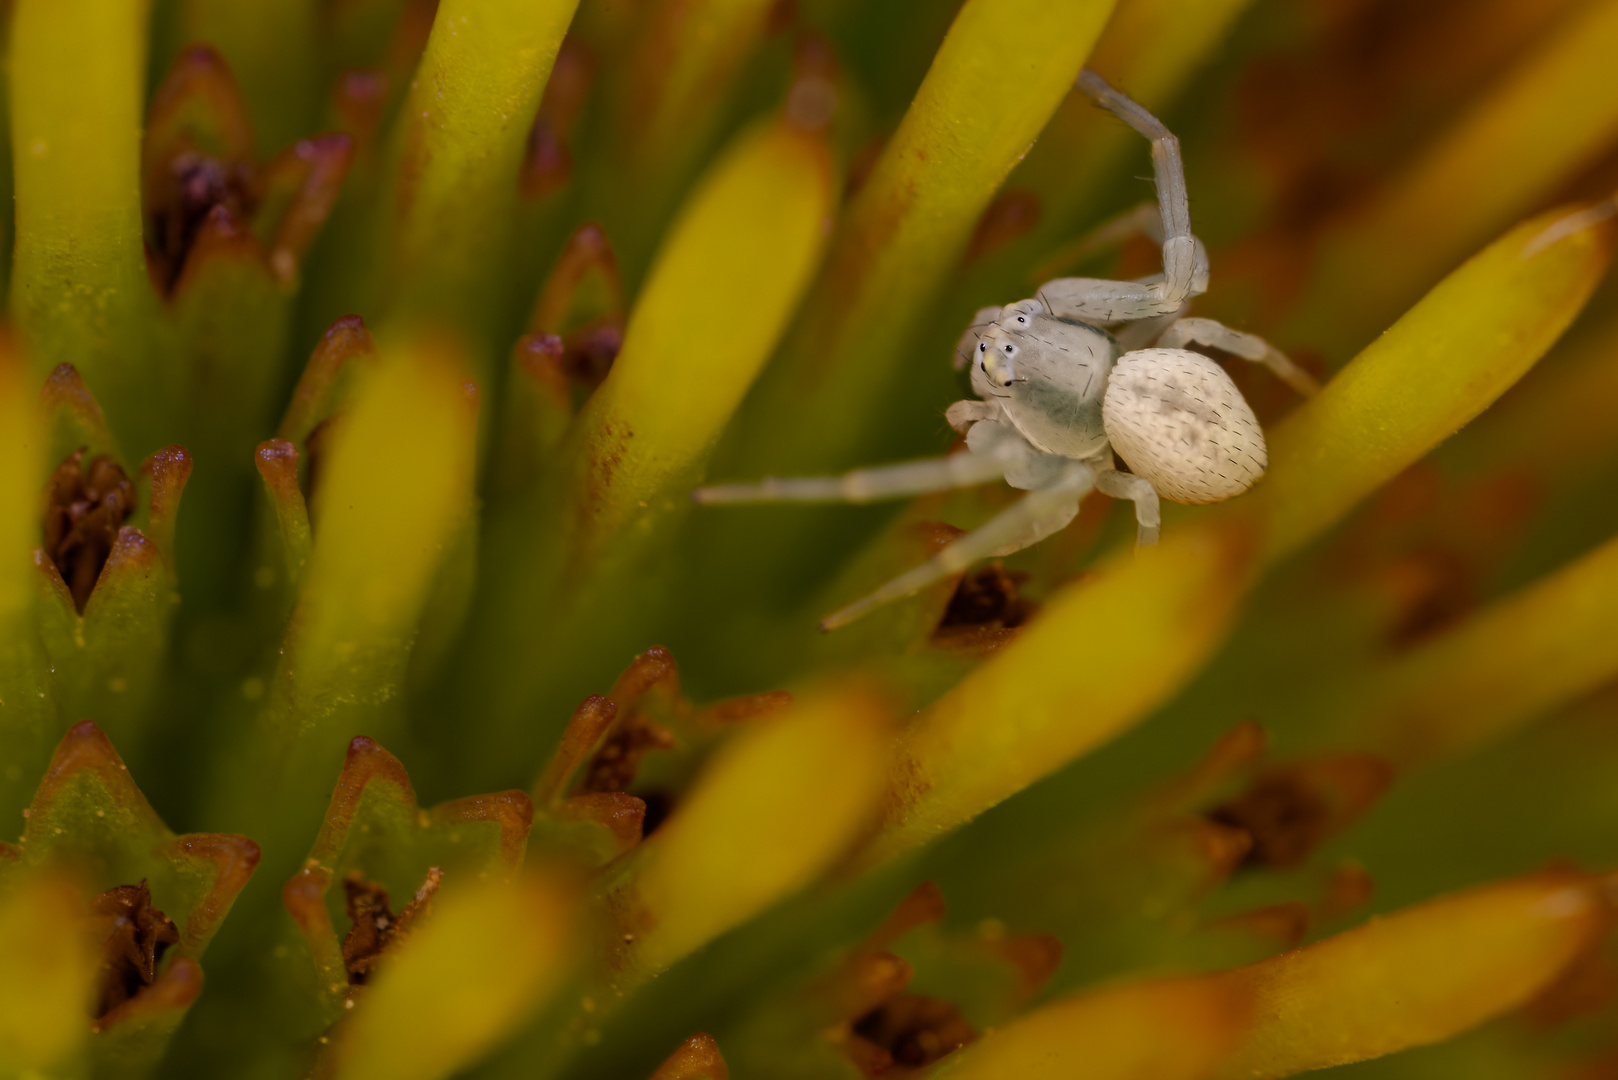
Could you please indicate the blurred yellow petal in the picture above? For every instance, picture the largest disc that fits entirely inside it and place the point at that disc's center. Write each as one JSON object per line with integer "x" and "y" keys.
{"x": 1047, "y": 698}
{"x": 29, "y": 724}
{"x": 47, "y": 970}
{"x": 1435, "y": 369}
{"x": 1152, "y": 1031}
{"x": 1538, "y": 648}
{"x": 25, "y": 737}
{"x": 718, "y": 297}
{"x": 1555, "y": 113}
{"x": 489, "y": 957}
{"x": 775, "y": 806}
{"x": 397, "y": 480}
{"x": 1415, "y": 977}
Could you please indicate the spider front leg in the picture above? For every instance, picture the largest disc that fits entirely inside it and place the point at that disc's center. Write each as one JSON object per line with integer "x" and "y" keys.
{"x": 865, "y": 485}
{"x": 1148, "y": 515}
{"x": 1098, "y": 301}
{"x": 1247, "y": 346}
{"x": 1036, "y": 516}
{"x": 1143, "y": 220}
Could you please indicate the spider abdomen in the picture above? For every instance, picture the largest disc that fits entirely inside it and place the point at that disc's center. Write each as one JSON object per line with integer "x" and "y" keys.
{"x": 1178, "y": 420}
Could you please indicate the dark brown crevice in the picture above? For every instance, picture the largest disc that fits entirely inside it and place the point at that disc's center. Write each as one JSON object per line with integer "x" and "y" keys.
{"x": 614, "y": 766}
{"x": 659, "y": 805}
{"x": 138, "y": 935}
{"x": 84, "y": 509}
{"x": 985, "y": 610}
{"x": 911, "y": 1031}
{"x": 987, "y": 596}
{"x": 589, "y": 351}
{"x": 1291, "y": 810}
{"x": 1285, "y": 820}
{"x": 195, "y": 185}
{"x": 375, "y": 930}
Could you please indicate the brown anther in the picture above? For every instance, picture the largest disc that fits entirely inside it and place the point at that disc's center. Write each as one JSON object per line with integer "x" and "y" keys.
{"x": 912, "y": 1031}
{"x": 137, "y": 936}
{"x": 197, "y": 185}
{"x": 548, "y": 162}
{"x": 1432, "y": 590}
{"x": 984, "y": 609}
{"x": 375, "y": 929}
{"x": 589, "y": 351}
{"x": 1290, "y": 811}
{"x": 1285, "y": 818}
{"x": 614, "y": 766}
{"x": 987, "y": 597}
{"x": 84, "y": 509}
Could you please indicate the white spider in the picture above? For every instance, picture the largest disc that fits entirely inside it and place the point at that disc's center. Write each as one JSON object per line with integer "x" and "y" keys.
{"x": 1060, "y": 395}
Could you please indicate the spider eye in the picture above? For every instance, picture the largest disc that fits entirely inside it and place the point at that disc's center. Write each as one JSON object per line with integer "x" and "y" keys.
{"x": 983, "y": 346}
{"x": 1023, "y": 319}
{"x": 1008, "y": 349}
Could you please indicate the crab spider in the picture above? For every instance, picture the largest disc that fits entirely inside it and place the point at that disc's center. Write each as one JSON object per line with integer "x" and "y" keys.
{"x": 1084, "y": 370}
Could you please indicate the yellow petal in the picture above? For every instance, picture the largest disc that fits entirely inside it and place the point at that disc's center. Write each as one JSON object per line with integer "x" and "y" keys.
{"x": 487, "y": 959}
{"x": 718, "y": 297}
{"x": 1173, "y": 1030}
{"x": 1435, "y": 369}
{"x": 1412, "y": 978}
{"x": 47, "y": 967}
{"x": 777, "y": 804}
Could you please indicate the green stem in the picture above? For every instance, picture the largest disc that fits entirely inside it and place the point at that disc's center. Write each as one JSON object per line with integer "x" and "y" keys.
{"x": 456, "y": 153}
{"x": 80, "y": 293}
{"x": 969, "y": 124}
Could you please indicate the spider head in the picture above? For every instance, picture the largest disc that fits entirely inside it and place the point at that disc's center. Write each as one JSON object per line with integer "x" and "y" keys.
{"x": 997, "y": 355}
{"x": 1021, "y": 315}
